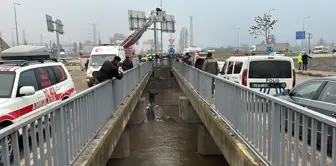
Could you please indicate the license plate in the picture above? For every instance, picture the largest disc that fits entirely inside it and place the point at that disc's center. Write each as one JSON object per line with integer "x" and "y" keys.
{"x": 259, "y": 85}
{"x": 267, "y": 85}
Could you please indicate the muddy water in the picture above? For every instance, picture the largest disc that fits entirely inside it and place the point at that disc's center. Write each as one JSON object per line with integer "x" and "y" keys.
{"x": 167, "y": 143}
{"x": 164, "y": 139}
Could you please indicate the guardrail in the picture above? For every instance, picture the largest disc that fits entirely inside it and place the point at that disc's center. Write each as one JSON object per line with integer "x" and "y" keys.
{"x": 261, "y": 122}
{"x": 71, "y": 125}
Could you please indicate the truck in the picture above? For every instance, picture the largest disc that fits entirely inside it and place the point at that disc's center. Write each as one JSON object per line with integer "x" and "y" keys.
{"x": 277, "y": 47}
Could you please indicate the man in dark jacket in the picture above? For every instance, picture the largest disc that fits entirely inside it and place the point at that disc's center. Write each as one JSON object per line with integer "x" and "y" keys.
{"x": 109, "y": 70}
{"x": 127, "y": 64}
{"x": 305, "y": 61}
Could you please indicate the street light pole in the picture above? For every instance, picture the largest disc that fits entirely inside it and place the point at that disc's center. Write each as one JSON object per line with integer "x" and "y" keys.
{"x": 16, "y": 27}
{"x": 303, "y": 28}
{"x": 93, "y": 33}
{"x": 238, "y": 37}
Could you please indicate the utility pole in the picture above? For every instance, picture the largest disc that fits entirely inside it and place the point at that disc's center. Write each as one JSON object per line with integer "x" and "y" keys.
{"x": 161, "y": 30}
{"x": 191, "y": 32}
{"x": 238, "y": 38}
{"x": 303, "y": 29}
{"x": 41, "y": 40}
{"x": 94, "y": 33}
{"x": 16, "y": 26}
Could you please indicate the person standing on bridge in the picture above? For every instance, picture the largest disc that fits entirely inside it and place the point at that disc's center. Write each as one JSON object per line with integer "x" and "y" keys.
{"x": 210, "y": 65}
{"x": 109, "y": 70}
{"x": 127, "y": 64}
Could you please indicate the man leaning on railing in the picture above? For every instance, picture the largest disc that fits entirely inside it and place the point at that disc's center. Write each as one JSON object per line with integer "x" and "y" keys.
{"x": 109, "y": 70}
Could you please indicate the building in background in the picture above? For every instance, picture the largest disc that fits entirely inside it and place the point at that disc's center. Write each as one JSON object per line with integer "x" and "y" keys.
{"x": 117, "y": 38}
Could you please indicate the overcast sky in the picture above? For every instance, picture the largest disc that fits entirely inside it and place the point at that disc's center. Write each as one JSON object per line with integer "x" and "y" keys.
{"x": 216, "y": 22}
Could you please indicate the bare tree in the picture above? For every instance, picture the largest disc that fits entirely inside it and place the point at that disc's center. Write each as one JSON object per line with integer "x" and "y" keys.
{"x": 320, "y": 42}
{"x": 263, "y": 26}
{"x": 184, "y": 36}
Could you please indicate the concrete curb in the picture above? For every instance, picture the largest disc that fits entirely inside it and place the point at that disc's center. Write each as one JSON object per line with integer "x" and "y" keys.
{"x": 313, "y": 74}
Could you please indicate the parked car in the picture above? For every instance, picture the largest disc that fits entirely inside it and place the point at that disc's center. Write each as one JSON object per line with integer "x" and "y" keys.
{"x": 317, "y": 94}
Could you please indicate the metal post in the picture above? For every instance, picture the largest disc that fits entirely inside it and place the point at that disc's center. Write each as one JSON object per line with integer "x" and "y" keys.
{"x": 16, "y": 27}
{"x": 238, "y": 37}
{"x": 161, "y": 38}
{"x": 155, "y": 39}
{"x": 58, "y": 47}
{"x": 309, "y": 36}
{"x": 303, "y": 27}
{"x": 13, "y": 43}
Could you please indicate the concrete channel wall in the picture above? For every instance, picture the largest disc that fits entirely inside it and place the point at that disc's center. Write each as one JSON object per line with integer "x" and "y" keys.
{"x": 235, "y": 152}
{"x": 100, "y": 149}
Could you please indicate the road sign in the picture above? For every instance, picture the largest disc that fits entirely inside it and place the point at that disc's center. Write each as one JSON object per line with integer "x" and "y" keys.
{"x": 300, "y": 35}
{"x": 171, "y": 46}
{"x": 171, "y": 41}
{"x": 171, "y": 51}
{"x": 269, "y": 50}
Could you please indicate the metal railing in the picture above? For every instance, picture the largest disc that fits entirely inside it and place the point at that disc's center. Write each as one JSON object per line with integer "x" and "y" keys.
{"x": 64, "y": 130}
{"x": 262, "y": 122}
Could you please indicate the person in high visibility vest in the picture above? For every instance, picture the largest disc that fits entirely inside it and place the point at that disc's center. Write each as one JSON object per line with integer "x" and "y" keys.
{"x": 300, "y": 60}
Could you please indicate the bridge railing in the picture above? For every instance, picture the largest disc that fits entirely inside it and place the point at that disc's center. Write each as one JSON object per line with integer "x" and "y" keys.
{"x": 264, "y": 122}
{"x": 72, "y": 124}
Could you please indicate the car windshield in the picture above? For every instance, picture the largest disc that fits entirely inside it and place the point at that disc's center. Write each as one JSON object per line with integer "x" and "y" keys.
{"x": 270, "y": 69}
{"x": 98, "y": 60}
{"x": 6, "y": 84}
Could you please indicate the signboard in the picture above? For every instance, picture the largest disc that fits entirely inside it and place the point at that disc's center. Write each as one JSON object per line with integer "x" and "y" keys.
{"x": 269, "y": 50}
{"x": 50, "y": 23}
{"x": 171, "y": 41}
{"x": 300, "y": 35}
{"x": 136, "y": 19}
{"x": 171, "y": 51}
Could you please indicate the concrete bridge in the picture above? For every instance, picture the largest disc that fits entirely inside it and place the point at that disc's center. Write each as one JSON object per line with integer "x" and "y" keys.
{"x": 246, "y": 127}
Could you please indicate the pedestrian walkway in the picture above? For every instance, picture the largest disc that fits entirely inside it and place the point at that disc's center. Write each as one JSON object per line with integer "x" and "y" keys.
{"x": 315, "y": 73}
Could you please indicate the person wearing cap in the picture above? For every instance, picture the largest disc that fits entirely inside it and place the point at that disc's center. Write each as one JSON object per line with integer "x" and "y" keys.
{"x": 109, "y": 70}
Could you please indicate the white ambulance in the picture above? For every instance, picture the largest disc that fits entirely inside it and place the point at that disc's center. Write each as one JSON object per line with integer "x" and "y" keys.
{"x": 264, "y": 73}
{"x": 99, "y": 55}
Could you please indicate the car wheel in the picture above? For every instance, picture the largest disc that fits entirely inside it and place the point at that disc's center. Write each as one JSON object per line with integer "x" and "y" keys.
{"x": 10, "y": 149}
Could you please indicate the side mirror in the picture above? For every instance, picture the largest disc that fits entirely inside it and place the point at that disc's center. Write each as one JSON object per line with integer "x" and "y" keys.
{"x": 286, "y": 92}
{"x": 27, "y": 90}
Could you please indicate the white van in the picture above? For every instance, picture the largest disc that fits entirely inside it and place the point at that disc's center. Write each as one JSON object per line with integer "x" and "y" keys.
{"x": 99, "y": 55}
{"x": 264, "y": 73}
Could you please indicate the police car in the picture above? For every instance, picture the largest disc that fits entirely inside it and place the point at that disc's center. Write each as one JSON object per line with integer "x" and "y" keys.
{"x": 263, "y": 73}
{"x": 30, "y": 81}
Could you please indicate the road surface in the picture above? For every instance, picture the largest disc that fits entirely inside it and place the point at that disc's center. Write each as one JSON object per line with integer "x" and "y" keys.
{"x": 302, "y": 78}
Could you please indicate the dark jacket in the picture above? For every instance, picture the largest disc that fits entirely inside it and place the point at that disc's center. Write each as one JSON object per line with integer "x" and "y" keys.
{"x": 86, "y": 64}
{"x": 127, "y": 64}
{"x": 199, "y": 63}
{"x": 108, "y": 71}
{"x": 305, "y": 58}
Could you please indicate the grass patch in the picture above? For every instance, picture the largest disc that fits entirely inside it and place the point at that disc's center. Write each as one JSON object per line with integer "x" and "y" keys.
{"x": 222, "y": 55}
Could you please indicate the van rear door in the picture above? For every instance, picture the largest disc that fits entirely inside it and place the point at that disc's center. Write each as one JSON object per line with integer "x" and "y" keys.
{"x": 270, "y": 76}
